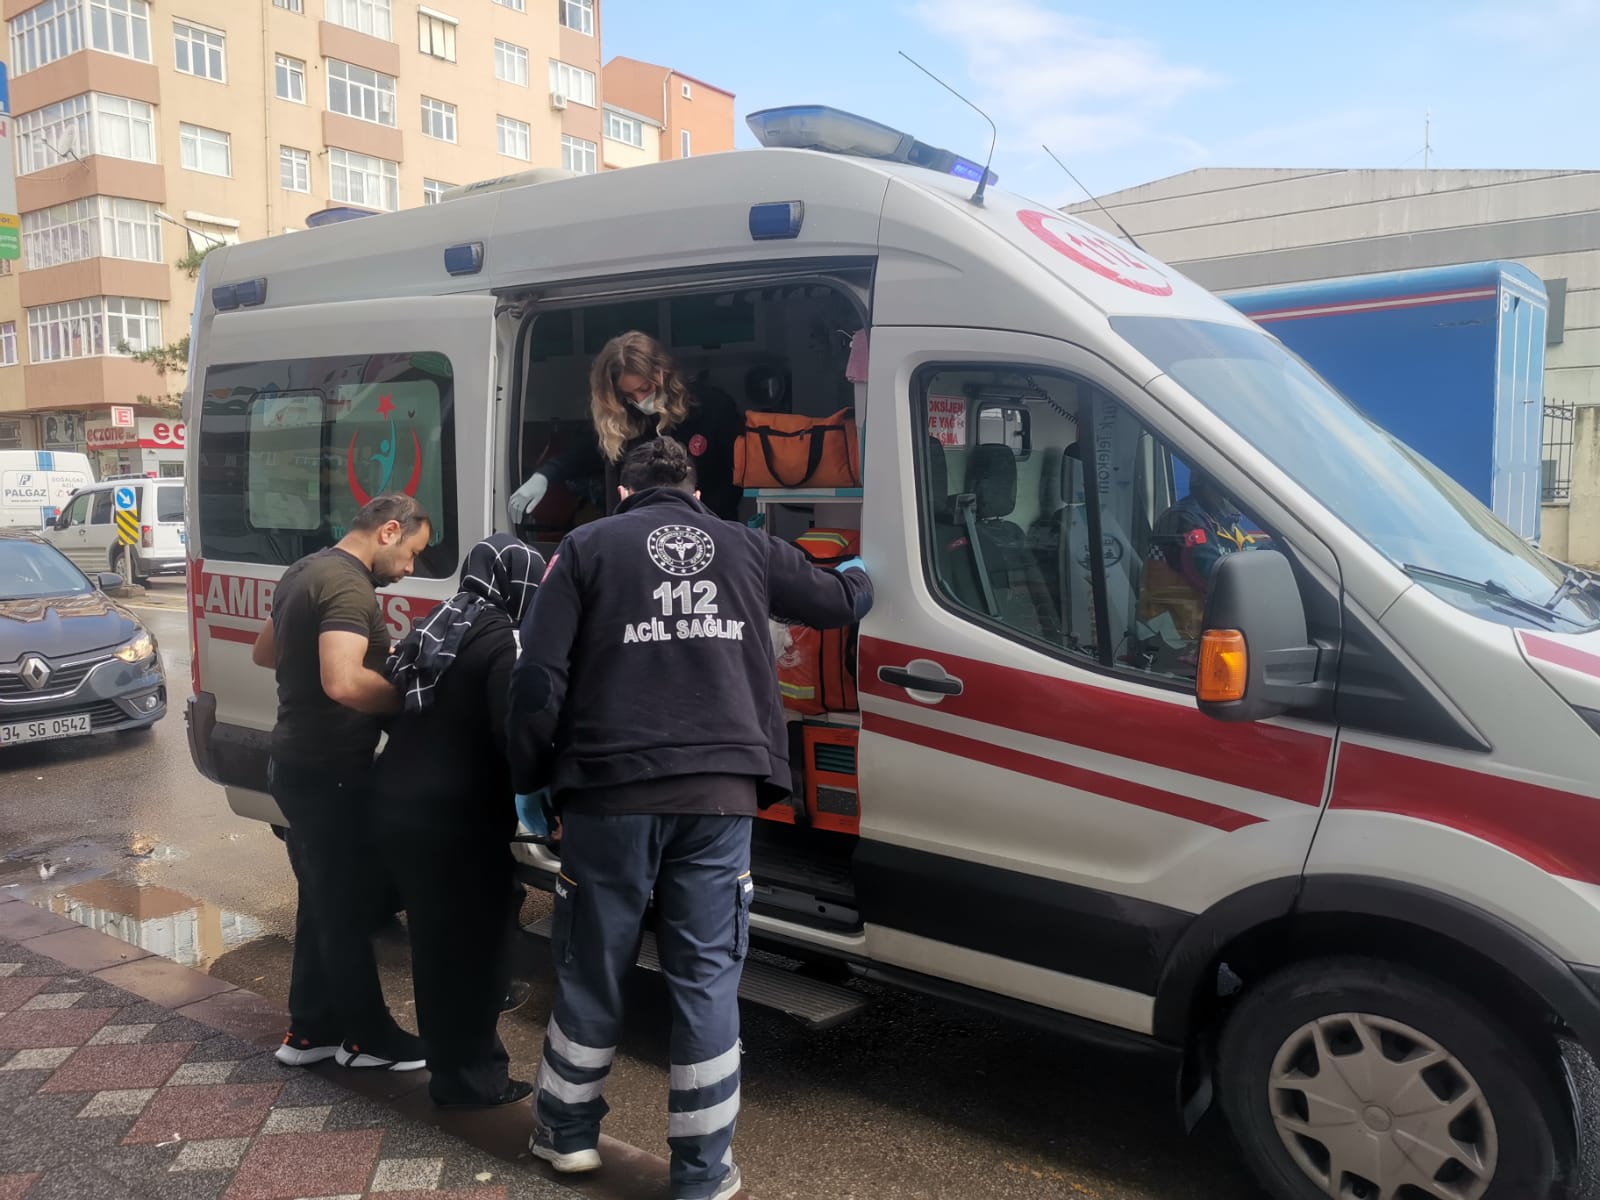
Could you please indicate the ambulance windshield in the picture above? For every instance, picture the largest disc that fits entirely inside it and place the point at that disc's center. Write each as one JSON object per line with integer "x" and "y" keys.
{"x": 1396, "y": 500}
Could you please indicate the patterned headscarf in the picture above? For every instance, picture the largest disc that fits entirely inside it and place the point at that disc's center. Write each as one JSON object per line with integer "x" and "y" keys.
{"x": 499, "y": 572}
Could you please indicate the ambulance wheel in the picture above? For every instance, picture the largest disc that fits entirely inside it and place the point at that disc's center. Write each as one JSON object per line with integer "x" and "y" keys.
{"x": 1357, "y": 1079}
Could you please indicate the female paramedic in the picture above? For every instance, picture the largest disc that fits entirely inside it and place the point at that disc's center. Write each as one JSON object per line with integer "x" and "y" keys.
{"x": 637, "y": 393}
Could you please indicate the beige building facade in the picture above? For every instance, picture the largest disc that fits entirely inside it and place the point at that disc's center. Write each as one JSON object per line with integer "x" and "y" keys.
{"x": 147, "y": 133}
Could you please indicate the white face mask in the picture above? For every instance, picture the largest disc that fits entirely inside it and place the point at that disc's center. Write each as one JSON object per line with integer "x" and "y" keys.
{"x": 648, "y": 405}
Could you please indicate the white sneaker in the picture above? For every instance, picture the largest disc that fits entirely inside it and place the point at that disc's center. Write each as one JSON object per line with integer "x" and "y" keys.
{"x": 574, "y": 1163}
{"x": 299, "y": 1051}
{"x": 729, "y": 1187}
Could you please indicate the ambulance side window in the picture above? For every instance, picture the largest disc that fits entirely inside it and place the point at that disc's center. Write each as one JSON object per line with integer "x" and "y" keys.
{"x": 291, "y": 449}
{"x": 1013, "y": 493}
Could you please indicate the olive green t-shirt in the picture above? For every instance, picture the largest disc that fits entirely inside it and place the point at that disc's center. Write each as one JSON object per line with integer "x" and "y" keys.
{"x": 324, "y": 592}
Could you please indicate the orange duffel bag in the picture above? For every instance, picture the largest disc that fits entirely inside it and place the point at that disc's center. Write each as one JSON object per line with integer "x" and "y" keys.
{"x": 783, "y": 450}
{"x": 817, "y": 668}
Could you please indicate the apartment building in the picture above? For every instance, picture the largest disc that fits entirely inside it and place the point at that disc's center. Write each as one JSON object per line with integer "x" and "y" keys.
{"x": 688, "y": 115}
{"x": 147, "y": 133}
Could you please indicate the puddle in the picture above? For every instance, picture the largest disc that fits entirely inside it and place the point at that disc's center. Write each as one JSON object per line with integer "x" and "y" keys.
{"x": 80, "y": 881}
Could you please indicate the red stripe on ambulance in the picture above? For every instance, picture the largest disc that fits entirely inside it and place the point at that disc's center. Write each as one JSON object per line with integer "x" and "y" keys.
{"x": 1262, "y": 758}
{"x": 1555, "y": 830}
{"x": 248, "y": 598}
{"x": 1187, "y": 808}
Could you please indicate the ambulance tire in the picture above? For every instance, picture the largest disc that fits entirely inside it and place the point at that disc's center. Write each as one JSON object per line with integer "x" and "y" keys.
{"x": 1296, "y": 1018}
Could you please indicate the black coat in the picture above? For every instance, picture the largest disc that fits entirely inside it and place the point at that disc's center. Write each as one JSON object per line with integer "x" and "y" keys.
{"x": 647, "y": 655}
{"x": 708, "y": 433}
{"x": 445, "y": 768}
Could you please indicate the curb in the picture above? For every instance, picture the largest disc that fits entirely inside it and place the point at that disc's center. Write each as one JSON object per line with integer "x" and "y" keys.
{"x": 629, "y": 1174}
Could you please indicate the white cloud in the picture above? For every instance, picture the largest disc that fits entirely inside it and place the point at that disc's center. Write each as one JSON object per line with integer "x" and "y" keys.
{"x": 1073, "y": 84}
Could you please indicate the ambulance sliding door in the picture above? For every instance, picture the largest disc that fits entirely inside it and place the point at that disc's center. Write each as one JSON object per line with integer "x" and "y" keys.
{"x": 302, "y": 415}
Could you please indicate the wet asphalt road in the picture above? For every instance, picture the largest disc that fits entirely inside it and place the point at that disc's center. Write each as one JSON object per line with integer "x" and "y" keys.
{"x": 917, "y": 1098}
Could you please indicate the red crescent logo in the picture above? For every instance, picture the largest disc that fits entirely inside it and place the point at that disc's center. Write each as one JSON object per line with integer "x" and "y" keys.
{"x": 1098, "y": 254}
{"x": 360, "y": 493}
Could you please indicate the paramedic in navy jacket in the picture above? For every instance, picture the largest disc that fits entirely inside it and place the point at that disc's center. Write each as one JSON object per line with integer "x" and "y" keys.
{"x": 647, "y": 700}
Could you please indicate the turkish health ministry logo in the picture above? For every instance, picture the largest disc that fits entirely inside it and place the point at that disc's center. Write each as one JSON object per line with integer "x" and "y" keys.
{"x": 681, "y": 549}
{"x": 380, "y": 463}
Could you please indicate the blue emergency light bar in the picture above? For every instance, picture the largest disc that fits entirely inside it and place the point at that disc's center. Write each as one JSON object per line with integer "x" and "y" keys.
{"x": 329, "y": 216}
{"x": 833, "y": 131}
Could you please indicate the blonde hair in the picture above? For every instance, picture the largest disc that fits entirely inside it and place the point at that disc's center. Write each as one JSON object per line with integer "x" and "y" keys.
{"x": 617, "y": 422}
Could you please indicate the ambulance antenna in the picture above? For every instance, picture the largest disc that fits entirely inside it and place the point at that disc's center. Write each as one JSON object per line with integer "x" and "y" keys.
{"x": 1095, "y": 198}
{"x": 994, "y": 134}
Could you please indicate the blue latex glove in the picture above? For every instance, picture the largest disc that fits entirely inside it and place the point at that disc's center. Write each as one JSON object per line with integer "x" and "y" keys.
{"x": 852, "y": 564}
{"x": 533, "y": 813}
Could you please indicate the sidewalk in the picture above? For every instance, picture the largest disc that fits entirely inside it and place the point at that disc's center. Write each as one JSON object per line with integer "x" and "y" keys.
{"x": 124, "y": 1076}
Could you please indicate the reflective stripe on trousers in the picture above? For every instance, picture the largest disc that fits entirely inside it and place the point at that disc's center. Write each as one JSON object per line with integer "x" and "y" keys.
{"x": 699, "y": 869}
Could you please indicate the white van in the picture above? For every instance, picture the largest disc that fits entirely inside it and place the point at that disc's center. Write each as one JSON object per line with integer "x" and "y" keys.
{"x": 36, "y": 484}
{"x": 1331, "y": 839}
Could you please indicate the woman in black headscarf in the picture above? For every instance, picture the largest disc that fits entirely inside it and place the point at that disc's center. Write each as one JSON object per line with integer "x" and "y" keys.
{"x": 444, "y": 817}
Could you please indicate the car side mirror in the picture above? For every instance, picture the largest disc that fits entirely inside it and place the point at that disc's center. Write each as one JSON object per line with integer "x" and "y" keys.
{"x": 109, "y": 581}
{"x": 1256, "y": 659}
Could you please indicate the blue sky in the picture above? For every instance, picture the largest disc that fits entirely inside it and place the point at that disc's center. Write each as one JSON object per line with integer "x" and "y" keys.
{"x": 1126, "y": 92}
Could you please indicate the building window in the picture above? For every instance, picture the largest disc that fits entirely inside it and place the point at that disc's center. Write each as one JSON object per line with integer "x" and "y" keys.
{"x": 294, "y": 169}
{"x": 579, "y": 156}
{"x": 199, "y": 51}
{"x": 93, "y": 227}
{"x": 683, "y": 143}
{"x": 8, "y": 344}
{"x": 436, "y": 34}
{"x": 358, "y": 179}
{"x": 95, "y": 326}
{"x": 514, "y": 141}
{"x": 438, "y": 119}
{"x": 510, "y": 63}
{"x": 688, "y": 92}
{"x": 514, "y": 5}
{"x": 294, "y": 6}
{"x": 574, "y": 83}
{"x": 83, "y": 125}
{"x": 433, "y": 190}
{"x": 58, "y": 28}
{"x": 629, "y": 130}
{"x": 360, "y": 93}
{"x": 579, "y": 15}
{"x": 209, "y": 151}
{"x": 291, "y": 79}
{"x": 364, "y": 16}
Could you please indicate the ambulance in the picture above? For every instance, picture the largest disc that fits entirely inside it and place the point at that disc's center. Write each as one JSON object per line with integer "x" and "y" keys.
{"x": 1323, "y": 824}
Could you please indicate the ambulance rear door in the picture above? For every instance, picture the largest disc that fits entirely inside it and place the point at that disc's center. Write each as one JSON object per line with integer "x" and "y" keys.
{"x": 299, "y": 416}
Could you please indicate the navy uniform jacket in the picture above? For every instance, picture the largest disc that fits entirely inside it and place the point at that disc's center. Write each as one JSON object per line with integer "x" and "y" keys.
{"x": 646, "y": 652}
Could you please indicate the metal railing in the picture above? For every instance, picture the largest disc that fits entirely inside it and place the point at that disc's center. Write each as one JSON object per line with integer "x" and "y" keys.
{"x": 1555, "y": 483}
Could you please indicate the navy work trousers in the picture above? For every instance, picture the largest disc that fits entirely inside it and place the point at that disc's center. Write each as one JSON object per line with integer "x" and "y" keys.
{"x": 699, "y": 870}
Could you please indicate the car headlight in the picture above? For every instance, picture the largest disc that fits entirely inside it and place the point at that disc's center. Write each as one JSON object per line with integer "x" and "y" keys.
{"x": 136, "y": 650}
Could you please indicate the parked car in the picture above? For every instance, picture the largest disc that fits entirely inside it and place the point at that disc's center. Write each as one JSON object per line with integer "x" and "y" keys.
{"x": 73, "y": 662}
{"x": 86, "y": 532}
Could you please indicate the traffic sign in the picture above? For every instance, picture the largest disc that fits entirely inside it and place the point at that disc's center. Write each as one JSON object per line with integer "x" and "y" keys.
{"x": 127, "y": 499}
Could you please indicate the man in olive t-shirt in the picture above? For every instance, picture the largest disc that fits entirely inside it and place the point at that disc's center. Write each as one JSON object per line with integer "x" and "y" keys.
{"x": 327, "y": 642}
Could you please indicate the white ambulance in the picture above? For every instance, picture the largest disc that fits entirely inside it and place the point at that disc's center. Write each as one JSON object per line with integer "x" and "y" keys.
{"x": 1323, "y": 821}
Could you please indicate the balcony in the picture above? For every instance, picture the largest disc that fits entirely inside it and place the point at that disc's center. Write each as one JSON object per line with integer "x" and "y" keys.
{"x": 95, "y": 277}
{"x": 85, "y": 71}
{"x": 97, "y": 175}
{"x": 361, "y": 49}
{"x": 76, "y": 382}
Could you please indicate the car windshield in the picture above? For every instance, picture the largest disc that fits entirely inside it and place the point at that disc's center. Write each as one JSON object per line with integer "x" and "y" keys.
{"x": 32, "y": 570}
{"x": 1422, "y": 520}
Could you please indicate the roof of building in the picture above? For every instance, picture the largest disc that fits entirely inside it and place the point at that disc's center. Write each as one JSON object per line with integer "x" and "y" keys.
{"x": 639, "y": 62}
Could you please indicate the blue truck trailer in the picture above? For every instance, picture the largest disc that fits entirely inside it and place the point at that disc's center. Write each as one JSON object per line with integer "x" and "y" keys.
{"x": 1449, "y": 359}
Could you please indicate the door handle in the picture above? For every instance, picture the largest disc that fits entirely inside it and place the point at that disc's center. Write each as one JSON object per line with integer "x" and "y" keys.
{"x": 903, "y": 677}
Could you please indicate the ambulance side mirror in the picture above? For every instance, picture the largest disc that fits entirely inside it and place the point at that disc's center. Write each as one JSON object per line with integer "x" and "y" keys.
{"x": 1257, "y": 660}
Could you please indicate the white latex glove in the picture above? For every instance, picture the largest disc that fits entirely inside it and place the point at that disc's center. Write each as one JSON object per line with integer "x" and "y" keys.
{"x": 527, "y": 497}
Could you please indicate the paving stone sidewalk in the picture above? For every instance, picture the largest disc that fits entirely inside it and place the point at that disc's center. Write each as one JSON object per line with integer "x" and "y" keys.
{"x": 124, "y": 1076}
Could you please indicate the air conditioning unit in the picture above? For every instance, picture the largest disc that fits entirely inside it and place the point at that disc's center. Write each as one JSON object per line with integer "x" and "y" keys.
{"x": 558, "y": 101}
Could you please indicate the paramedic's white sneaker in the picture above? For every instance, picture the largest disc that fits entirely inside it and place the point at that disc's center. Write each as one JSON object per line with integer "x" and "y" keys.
{"x": 399, "y": 1051}
{"x": 574, "y": 1163}
{"x": 729, "y": 1187}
